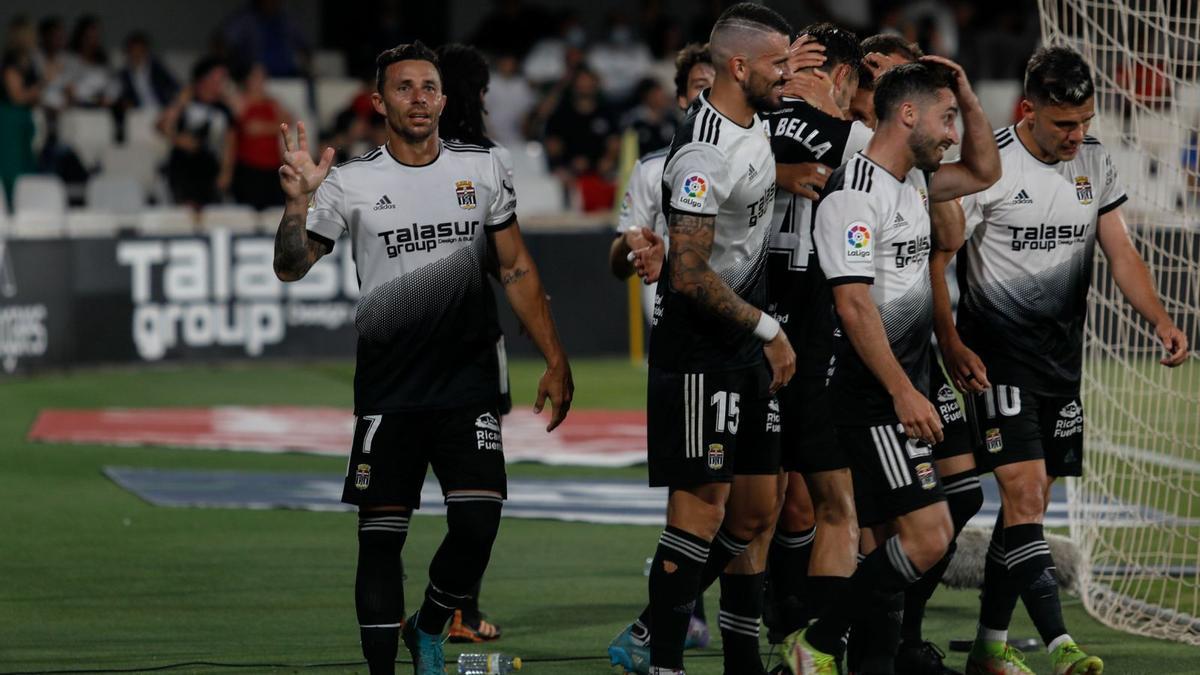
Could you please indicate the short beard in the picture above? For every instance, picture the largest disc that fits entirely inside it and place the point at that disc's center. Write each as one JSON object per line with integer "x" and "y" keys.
{"x": 410, "y": 135}
{"x": 924, "y": 149}
{"x": 760, "y": 101}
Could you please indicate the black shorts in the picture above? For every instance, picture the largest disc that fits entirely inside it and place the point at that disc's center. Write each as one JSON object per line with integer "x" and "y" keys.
{"x": 956, "y": 434}
{"x": 709, "y": 427}
{"x": 809, "y": 436}
{"x": 893, "y": 475}
{"x": 391, "y": 452}
{"x": 1019, "y": 425}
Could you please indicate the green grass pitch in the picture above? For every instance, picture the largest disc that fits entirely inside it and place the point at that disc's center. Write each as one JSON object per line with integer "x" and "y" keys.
{"x": 93, "y": 578}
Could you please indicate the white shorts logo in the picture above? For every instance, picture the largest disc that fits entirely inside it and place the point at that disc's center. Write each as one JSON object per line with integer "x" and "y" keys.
{"x": 487, "y": 433}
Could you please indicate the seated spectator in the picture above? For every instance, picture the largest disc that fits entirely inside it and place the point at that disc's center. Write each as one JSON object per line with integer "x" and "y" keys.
{"x": 653, "y": 120}
{"x": 508, "y": 101}
{"x": 582, "y": 142}
{"x": 256, "y": 137}
{"x": 199, "y": 126}
{"x": 89, "y": 81}
{"x": 19, "y": 92}
{"x": 51, "y": 60}
{"x": 143, "y": 82}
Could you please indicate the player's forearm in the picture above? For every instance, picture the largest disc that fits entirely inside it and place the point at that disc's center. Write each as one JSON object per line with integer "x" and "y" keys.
{"x": 980, "y": 155}
{"x": 943, "y": 315}
{"x": 949, "y": 225}
{"x": 618, "y": 258}
{"x": 1134, "y": 280}
{"x": 293, "y": 248}
{"x": 691, "y": 276}
{"x": 523, "y": 288}
{"x": 863, "y": 326}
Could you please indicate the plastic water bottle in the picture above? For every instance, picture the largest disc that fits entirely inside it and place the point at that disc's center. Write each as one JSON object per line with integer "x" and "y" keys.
{"x": 487, "y": 664}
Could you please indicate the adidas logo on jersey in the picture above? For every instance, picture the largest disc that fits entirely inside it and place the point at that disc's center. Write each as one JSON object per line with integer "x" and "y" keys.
{"x": 751, "y": 173}
{"x": 899, "y": 221}
{"x": 383, "y": 203}
{"x": 1022, "y": 197}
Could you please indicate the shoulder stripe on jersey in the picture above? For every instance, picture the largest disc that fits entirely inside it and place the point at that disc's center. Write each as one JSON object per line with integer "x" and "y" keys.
{"x": 717, "y": 131}
{"x": 870, "y": 177}
{"x": 1002, "y": 132}
{"x": 1004, "y": 143}
{"x": 703, "y": 128}
{"x": 374, "y": 154}
{"x": 476, "y": 149}
{"x": 709, "y": 125}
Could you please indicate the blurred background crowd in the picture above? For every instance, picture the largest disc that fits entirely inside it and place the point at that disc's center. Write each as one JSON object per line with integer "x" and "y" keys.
{"x": 121, "y": 121}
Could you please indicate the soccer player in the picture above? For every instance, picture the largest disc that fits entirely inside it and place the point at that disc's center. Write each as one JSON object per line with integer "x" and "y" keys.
{"x": 641, "y": 206}
{"x": 708, "y": 343}
{"x": 872, "y": 235}
{"x": 803, "y": 138}
{"x": 1024, "y": 273}
{"x": 423, "y": 215}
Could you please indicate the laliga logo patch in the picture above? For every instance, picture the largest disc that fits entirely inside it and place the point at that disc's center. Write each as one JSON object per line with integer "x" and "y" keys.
{"x": 626, "y": 204}
{"x": 858, "y": 242}
{"x": 926, "y": 475}
{"x": 693, "y": 191}
{"x": 362, "y": 476}
{"x": 716, "y": 456}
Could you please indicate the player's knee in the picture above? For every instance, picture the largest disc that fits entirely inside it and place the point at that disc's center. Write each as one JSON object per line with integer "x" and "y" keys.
{"x": 797, "y": 515}
{"x": 1025, "y": 502}
{"x": 932, "y": 542}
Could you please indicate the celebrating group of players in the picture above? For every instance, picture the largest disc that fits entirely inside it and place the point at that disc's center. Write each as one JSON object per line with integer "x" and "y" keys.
{"x": 802, "y": 222}
{"x": 803, "y": 202}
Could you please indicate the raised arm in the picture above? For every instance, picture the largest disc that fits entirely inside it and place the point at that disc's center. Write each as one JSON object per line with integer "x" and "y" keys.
{"x": 979, "y": 166}
{"x": 690, "y": 274}
{"x": 523, "y": 288}
{"x": 1133, "y": 278}
{"x": 295, "y": 251}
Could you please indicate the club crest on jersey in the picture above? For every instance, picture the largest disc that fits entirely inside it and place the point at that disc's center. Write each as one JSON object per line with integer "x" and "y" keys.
{"x": 362, "y": 476}
{"x": 858, "y": 242}
{"x": 693, "y": 191}
{"x": 466, "y": 194}
{"x": 716, "y": 456}
{"x": 994, "y": 442}
{"x": 1083, "y": 189}
{"x": 926, "y": 475}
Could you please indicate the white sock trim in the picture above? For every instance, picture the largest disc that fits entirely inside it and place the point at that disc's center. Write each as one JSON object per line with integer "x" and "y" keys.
{"x": 1058, "y": 642}
{"x": 992, "y": 635}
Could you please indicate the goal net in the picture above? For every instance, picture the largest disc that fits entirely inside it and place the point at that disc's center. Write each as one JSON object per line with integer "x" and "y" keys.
{"x": 1135, "y": 515}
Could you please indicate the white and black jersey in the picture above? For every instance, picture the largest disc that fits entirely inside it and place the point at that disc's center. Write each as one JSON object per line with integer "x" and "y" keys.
{"x": 716, "y": 168}
{"x": 642, "y": 207}
{"x": 426, "y": 316}
{"x": 873, "y": 228}
{"x": 1026, "y": 265}
{"x": 801, "y": 133}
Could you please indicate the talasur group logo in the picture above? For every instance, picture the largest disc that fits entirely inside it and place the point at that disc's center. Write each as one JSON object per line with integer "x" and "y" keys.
{"x": 858, "y": 242}
{"x": 693, "y": 190}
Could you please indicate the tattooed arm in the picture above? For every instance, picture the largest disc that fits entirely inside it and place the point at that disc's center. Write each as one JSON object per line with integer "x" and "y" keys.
{"x": 690, "y": 274}
{"x": 523, "y": 288}
{"x": 299, "y": 177}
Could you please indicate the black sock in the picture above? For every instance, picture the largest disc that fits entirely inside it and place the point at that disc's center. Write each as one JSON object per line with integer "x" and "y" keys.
{"x": 964, "y": 497}
{"x": 470, "y": 607}
{"x": 379, "y": 586}
{"x": 1031, "y": 569}
{"x": 741, "y": 609}
{"x": 722, "y": 551}
{"x": 875, "y": 638}
{"x": 674, "y": 584}
{"x": 885, "y": 572}
{"x": 825, "y": 590}
{"x": 998, "y": 598}
{"x": 787, "y": 563}
{"x": 472, "y": 522}
{"x": 698, "y": 611}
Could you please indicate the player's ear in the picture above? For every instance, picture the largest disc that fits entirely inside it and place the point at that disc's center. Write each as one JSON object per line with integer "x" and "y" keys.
{"x": 739, "y": 67}
{"x": 1027, "y": 111}
{"x": 377, "y": 103}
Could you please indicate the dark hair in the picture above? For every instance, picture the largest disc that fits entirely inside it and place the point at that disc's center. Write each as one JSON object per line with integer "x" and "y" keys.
{"x": 866, "y": 79}
{"x": 465, "y": 76}
{"x": 137, "y": 37}
{"x": 643, "y": 87}
{"x": 205, "y": 66}
{"x": 82, "y": 25}
{"x": 1058, "y": 76}
{"x": 907, "y": 81}
{"x": 48, "y": 24}
{"x": 689, "y": 57}
{"x": 841, "y": 45}
{"x": 888, "y": 43}
{"x": 749, "y": 12}
{"x": 412, "y": 51}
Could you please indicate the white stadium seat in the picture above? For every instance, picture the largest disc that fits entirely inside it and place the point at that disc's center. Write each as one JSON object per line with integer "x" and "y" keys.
{"x": 538, "y": 195}
{"x": 115, "y": 193}
{"x": 87, "y": 132}
{"x": 85, "y": 223}
{"x": 167, "y": 220}
{"x": 328, "y": 63}
{"x": 138, "y": 160}
{"x": 38, "y": 225}
{"x": 233, "y": 217}
{"x": 268, "y": 219}
{"x": 41, "y": 194}
{"x": 333, "y": 96}
{"x": 292, "y": 94}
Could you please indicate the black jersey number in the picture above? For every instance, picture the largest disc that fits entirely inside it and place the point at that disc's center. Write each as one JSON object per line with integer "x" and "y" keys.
{"x": 727, "y": 410}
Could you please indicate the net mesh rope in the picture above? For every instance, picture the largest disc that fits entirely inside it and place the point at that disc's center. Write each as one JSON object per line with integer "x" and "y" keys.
{"x": 1135, "y": 516}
